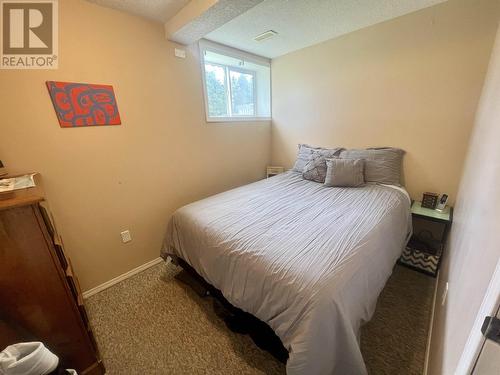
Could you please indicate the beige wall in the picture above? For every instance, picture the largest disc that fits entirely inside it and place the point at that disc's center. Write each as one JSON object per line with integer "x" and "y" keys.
{"x": 100, "y": 181}
{"x": 473, "y": 250}
{"x": 412, "y": 82}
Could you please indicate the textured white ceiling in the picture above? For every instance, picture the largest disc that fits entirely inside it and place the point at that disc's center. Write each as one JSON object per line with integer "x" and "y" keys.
{"x": 158, "y": 10}
{"x": 301, "y": 23}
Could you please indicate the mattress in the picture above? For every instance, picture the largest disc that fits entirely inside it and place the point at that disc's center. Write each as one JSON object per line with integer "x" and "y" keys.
{"x": 308, "y": 260}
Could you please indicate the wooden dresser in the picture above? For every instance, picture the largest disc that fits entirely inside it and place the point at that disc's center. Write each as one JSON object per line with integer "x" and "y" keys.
{"x": 40, "y": 299}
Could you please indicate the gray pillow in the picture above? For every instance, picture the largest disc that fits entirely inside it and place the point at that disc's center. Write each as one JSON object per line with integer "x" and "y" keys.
{"x": 315, "y": 168}
{"x": 305, "y": 151}
{"x": 382, "y": 165}
{"x": 345, "y": 172}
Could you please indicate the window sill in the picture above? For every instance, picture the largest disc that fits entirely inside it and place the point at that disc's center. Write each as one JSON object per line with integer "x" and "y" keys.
{"x": 237, "y": 119}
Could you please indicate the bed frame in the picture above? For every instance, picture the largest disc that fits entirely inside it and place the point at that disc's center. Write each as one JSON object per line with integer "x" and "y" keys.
{"x": 235, "y": 319}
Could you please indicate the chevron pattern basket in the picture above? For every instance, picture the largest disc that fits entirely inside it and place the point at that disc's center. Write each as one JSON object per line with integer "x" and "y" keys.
{"x": 421, "y": 261}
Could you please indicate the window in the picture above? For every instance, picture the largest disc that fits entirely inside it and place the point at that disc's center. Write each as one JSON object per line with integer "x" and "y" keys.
{"x": 223, "y": 82}
{"x": 237, "y": 85}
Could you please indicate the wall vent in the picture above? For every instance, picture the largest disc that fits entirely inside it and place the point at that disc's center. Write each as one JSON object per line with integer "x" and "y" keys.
{"x": 265, "y": 35}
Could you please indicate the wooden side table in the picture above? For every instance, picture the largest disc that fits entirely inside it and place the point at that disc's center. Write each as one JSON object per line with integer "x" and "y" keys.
{"x": 424, "y": 251}
{"x": 273, "y": 171}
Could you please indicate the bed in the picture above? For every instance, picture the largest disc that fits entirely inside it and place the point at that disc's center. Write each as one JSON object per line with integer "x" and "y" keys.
{"x": 308, "y": 260}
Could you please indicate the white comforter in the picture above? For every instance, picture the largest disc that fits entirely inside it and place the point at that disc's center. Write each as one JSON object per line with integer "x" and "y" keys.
{"x": 309, "y": 260}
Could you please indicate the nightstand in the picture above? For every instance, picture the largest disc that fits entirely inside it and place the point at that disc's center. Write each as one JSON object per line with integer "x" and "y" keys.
{"x": 273, "y": 171}
{"x": 424, "y": 251}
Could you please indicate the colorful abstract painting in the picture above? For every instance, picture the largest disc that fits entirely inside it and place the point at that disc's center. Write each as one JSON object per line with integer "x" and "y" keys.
{"x": 83, "y": 104}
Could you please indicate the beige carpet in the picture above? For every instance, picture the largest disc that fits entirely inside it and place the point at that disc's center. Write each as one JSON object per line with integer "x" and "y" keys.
{"x": 152, "y": 324}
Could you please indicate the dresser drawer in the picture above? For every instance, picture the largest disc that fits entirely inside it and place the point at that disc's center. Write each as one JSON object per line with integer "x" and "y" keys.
{"x": 74, "y": 284}
{"x": 60, "y": 255}
{"x": 47, "y": 218}
{"x": 53, "y": 234}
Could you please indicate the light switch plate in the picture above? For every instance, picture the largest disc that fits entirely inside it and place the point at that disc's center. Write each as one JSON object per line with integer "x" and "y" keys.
{"x": 126, "y": 237}
{"x": 445, "y": 294}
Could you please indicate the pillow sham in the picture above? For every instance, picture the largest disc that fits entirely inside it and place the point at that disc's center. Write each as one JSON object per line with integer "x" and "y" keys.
{"x": 305, "y": 151}
{"x": 382, "y": 165}
{"x": 315, "y": 168}
{"x": 345, "y": 172}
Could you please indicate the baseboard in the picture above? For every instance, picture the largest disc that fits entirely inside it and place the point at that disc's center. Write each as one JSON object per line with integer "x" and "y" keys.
{"x": 431, "y": 324}
{"x": 122, "y": 277}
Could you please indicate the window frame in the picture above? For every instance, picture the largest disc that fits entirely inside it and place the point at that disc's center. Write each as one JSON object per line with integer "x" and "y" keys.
{"x": 205, "y": 45}
{"x": 226, "y": 85}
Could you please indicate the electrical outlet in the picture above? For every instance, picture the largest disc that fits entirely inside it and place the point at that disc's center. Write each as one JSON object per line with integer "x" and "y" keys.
{"x": 180, "y": 53}
{"x": 126, "y": 237}
{"x": 444, "y": 295}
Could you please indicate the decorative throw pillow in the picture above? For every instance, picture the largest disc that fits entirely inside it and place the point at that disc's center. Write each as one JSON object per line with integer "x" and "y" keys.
{"x": 345, "y": 172}
{"x": 315, "y": 168}
{"x": 305, "y": 151}
{"x": 382, "y": 165}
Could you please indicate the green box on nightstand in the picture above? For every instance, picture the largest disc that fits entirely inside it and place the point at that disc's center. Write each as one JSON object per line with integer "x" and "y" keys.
{"x": 430, "y": 231}
{"x": 418, "y": 210}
